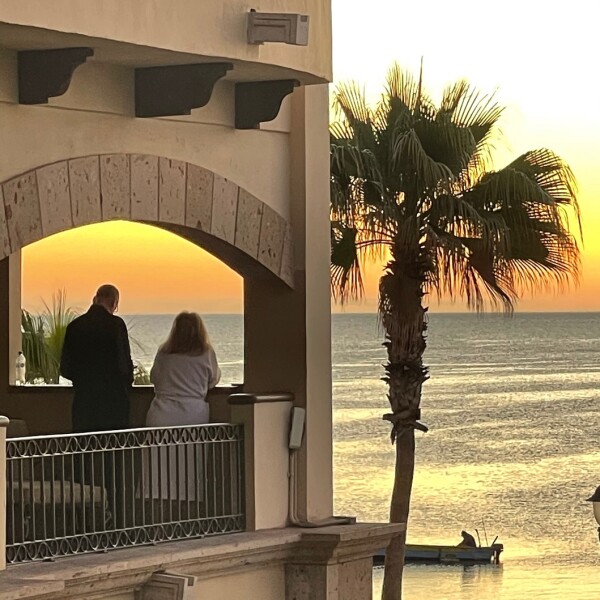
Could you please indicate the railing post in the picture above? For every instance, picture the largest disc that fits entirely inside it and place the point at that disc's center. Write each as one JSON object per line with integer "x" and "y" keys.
{"x": 3, "y": 428}
{"x": 266, "y": 421}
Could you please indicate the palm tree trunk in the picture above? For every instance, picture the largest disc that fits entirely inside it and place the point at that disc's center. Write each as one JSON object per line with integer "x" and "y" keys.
{"x": 405, "y": 324}
{"x": 399, "y": 509}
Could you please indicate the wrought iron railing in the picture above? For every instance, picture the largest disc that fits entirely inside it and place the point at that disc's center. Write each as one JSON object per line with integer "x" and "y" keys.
{"x": 70, "y": 494}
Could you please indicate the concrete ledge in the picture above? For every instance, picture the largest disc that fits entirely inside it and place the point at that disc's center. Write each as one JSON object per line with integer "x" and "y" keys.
{"x": 126, "y": 570}
{"x": 241, "y": 399}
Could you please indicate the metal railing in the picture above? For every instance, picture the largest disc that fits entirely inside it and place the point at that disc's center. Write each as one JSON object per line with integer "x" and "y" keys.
{"x": 71, "y": 494}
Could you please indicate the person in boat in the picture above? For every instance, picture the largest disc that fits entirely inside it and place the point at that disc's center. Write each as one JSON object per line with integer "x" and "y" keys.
{"x": 468, "y": 541}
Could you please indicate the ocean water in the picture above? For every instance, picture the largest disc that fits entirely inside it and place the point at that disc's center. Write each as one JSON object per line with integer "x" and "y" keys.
{"x": 514, "y": 410}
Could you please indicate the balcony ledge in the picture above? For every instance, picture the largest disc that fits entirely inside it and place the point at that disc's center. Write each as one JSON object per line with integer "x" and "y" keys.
{"x": 135, "y": 55}
{"x": 128, "y": 569}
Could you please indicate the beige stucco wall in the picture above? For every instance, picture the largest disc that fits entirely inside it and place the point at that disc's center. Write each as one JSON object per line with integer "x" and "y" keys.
{"x": 266, "y": 456}
{"x": 32, "y": 136}
{"x": 204, "y": 27}
{"x": 267, "y": 583}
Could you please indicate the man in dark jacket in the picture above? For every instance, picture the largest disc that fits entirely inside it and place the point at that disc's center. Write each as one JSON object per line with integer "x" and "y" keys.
{"x": 96, "y": 357}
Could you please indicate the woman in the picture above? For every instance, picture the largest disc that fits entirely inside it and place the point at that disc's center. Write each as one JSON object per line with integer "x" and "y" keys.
{"x": 184, "y": 369}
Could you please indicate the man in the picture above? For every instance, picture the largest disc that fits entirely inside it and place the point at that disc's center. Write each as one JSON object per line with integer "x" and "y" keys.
{"x": 96, "y": 357}
{"x": 468, "y": 541}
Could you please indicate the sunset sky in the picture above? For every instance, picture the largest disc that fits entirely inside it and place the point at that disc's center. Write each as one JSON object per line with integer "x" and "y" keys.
{"x": 541, "y": 61}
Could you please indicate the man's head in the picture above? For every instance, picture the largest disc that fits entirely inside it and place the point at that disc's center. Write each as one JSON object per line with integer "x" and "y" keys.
{"x": 108, "y": 297}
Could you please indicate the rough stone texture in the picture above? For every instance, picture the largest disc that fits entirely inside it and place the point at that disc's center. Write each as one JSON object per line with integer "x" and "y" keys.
{"x": 4, "y": 239}
{"x": 199, "y": 195}
{"x": 287, "y": 257}
{"x": 115, "y": 186}
{"x": 224, "y": 209}
{"x": 144, "y": 187}
{"x": 247, "y": 228}
{"x": 22, "y": 210}
{"x": 84, "y": 180}
{"x": 272, "y": 233}
{"x": 349, "y": 580}
{"x": 171, "y": 202}
{"x": 355, "y": 579}
{"x": 55, "y": 198}
{"x": 307, "y": 582}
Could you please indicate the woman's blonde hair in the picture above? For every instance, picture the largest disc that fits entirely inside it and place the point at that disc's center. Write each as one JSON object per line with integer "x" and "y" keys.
{"x": 188, "y": 335}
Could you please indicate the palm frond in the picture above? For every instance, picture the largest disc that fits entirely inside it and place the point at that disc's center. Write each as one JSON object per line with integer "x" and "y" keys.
{"x": 346, "y": 276}
{"x": 415, "y": 178}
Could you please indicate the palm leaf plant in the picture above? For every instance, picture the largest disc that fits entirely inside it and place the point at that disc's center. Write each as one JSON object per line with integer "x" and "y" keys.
{"x": 33, "y": 339}
{"x": 56, "y": 318}
{"x": 43, "y": 337}
{"x": 413, "y": 182}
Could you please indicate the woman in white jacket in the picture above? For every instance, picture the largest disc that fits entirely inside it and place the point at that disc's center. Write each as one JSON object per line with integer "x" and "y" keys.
{"x": 184, "y": 369}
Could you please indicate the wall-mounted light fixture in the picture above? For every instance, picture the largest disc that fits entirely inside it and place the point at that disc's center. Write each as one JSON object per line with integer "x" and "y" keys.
{"x": 285, "y": 28}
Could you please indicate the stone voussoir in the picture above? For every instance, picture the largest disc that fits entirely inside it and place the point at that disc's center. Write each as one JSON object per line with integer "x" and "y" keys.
{"x": 55, "y": 197}
{"x": 172, "y": 187}
{"x": 272, "y": 234}
{"x": 224, "y": 209}
{"x": 84, "y": 181}
{"x": 4, "y": 239}
{"x": 248, "y": 222}
{"x": 22, "y": 206}
{"x": 144, "y": 187}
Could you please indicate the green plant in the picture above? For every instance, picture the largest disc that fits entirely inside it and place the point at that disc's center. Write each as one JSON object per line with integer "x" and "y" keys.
{"x": 43, "y": 338}
{"x": 34, "y": 347}
{"x": 412, "y": 182}
{"x": 56, "y": 319}
{"x": 141, "y": 376}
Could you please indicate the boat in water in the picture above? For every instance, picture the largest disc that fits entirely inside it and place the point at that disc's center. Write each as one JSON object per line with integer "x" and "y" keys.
{"x": 447, "y": 554}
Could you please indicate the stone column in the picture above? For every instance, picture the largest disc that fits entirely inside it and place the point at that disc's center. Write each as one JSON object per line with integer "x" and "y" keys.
{"x": 288, "y": 332}
{"x": 5, "y": 364}
{"x": 3, "y": 428}
{"x": 14, "y": 312}
{"x": 10, "y": 317}
{"x": 336, "y": 563}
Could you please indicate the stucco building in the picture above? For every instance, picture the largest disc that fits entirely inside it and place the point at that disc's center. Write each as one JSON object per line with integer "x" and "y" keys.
{"x": 166, "y": 112}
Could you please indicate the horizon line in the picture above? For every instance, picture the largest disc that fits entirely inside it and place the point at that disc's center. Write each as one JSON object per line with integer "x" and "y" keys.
{"x": 466, "y": 312}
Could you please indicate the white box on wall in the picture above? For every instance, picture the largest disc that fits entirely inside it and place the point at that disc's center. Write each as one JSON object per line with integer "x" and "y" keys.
{"x": 286, "y": 28}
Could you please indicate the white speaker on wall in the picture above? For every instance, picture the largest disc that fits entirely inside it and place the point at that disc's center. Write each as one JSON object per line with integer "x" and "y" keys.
{"x": 285, "y": 28}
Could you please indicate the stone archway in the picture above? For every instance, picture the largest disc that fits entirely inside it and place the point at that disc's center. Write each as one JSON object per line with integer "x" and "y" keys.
{"x": 196, "y": 203}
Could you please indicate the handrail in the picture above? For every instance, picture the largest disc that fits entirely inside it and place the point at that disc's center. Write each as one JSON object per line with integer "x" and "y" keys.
{"x": 116, "y": 431}
{"x": 75, "y": 493}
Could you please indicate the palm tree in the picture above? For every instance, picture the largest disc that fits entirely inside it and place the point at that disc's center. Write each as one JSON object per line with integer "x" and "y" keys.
{"x": 412, "y": 181}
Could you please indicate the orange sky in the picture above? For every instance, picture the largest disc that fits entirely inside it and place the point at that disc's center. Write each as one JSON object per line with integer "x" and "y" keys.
{"x": 156, "y": 271}
{"x": 542, "y": 62}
